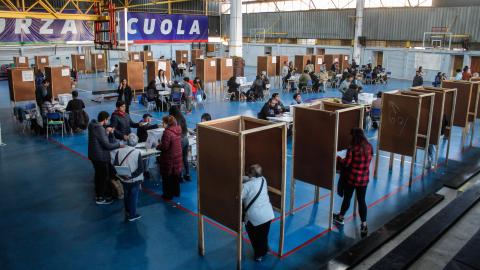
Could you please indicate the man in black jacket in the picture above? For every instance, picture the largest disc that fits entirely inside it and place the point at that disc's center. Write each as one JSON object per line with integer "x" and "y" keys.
{"x": 125, "y": 94}
{"x": 121, "y": 122}
{"x": 418, "y": 79}
{"x": 351, "y": 94}
{"x": 100, "y": 143}
{"x": 144, "y": 126}
{"x": 78, "y": 119}
{"x": 268, "y": 110}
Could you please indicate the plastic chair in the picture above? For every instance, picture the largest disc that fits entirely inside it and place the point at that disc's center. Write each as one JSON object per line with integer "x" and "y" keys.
{"x": 375, "y": 114}
{"x": 176, "y": 99}
{"x": 55, "y": 119}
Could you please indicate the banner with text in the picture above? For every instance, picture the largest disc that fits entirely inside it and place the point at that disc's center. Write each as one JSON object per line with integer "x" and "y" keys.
{"x": 45, "y": 31}
{"x": 162, "y": 28}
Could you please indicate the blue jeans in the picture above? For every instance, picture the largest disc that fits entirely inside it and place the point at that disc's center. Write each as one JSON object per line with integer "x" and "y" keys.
{"x": 130, "y": 197}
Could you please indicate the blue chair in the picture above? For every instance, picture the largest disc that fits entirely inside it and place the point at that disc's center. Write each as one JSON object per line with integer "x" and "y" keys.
{"x": 375, "y": 114}
{"x": 54, "y": 119}
{"x": 176, "y": 99}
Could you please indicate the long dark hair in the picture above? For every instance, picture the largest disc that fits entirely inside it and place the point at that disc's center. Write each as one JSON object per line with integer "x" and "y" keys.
{"x": 359, "y": 138}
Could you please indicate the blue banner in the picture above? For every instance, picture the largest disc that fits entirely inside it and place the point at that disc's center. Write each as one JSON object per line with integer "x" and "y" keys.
{"x": 162, "y": 28}
{"x": 45, "y": 31}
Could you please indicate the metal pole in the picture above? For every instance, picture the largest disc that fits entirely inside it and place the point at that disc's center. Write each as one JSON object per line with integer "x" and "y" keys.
{"x": 357, "y": 47}
{"x": 236, "y": 28}
{"x": 125, "y": 26}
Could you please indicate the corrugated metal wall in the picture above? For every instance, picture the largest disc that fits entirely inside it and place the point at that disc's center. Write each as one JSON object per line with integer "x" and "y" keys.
{"x": 455, "y": 3}
{"x": 379, "y": 23}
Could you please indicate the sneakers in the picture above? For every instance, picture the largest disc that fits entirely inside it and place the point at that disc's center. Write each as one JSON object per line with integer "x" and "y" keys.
{"x": 338, "y": 219}
{"x": 363, "y": 229}
{"x": 102, "y": 201}
{"x": 137, "y": 216}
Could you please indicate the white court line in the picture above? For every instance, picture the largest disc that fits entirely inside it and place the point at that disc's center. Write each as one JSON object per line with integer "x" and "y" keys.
{"x": 83, "y": 90}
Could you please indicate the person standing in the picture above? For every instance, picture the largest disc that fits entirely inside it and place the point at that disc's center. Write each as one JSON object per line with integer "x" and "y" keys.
{"x": 78, "y": 118}
{"x": 258, "y": 210}
{"x": 438, "y": 80}
{"x": 41, "y": 92}
{"x": 144, "y": 126}
{"x": 180, "y": 120}
{"x": 284, "y": 74}
{"x": 100, "y": 143}
{"x": 351, "y": 95}
{"x": 171, "y": 158}
{"x": 125, "y": 94}
{"x": 121, "y": 122}
{"x": 132, "y": 158}
{"x": 188, "y": 94}
{"x": 355, "y": 172}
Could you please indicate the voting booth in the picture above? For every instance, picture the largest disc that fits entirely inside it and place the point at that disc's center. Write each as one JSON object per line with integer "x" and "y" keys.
{"x": 281, "y": 59}
{"x": 41, "y": 62}
{"x": 133, "y": 72}
{"x": 405, "y": 126}
{"x": 224, "y": 68}
{"x": 267, "y": 64}
{"x": 146, "y": 56}
{"x": 196, "y": 54}
{"x": 207, "y": 70}
{"x": 301, "y": 62}
{"x": 60, "y": 80}
{"x": 443, "y": 113}
{"x": 466, "y": 107}
{"x": 153, "y": 66}
{"x": 320, "y": 130}
{"x": 21, "y": 62}
{"x": 21, "y": 84}
{"x": 97, "y": 60}
{"x": 181, "y": 56}
{"x": 220, "y": 173}
{"x": 317, "y": 61}
{"x": 78, "y": 62}
{"x": 134, "y": 56}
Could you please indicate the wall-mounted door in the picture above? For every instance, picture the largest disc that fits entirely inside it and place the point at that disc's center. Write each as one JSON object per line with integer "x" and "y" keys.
{"x": 378, "y": 58}
{"x": 457, "y": 64}
{"x": 475, "y": 64}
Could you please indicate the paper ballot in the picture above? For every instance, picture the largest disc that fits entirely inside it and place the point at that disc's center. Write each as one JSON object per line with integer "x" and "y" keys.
{"x": 82, "y": 57}
{"x": 319, "y": 61}
{"x": 136, "y": 57}
{"x": 212, "y": 63}
{"x": 229, "y": 62}
{"x": 65, "y": 72}
{"x": 274, "y": 60}
{"x": 27, "y": 75}
{"x": 100, "y": 56}
{"x": 21, "y": 60}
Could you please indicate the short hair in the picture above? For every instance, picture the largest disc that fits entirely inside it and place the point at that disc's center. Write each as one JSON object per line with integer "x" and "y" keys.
{"x": 119, "y": 103}
{"x": 186, "y": 79}
{"x": 254, "y": 170}
{"x": 349, "y": 76}
{"x": 274, "y": 95}
{"x": 132, "y": 139}
{"x": 295, "y": 95}
{"x": 353, "y": 86}
{"x": 169, "y": 120}
{"x": 146, "y": 115}
{"x": 102, "y": 116}
{"x": 379, "y": 94}
{"x": 74, "y": 93}
{"x": 206, "y": 117}
{"x": 305, "y": 71}
{"x": 116, "y": 65}
{"x": 458, "y": 70}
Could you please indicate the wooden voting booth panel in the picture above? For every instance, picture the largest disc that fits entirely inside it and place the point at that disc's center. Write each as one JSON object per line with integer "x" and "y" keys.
{"x": 133, "y": 72}
{"x": 301, "y": 62}
{"x": 207, "y": 69}
{"x": 426, "y": 108}
{"x": 344, "y": 59}
{"x": 21, "y": 84}
{"x": 196, "y": 54}
{"x": 462, "y": 107}
{"x": 153, "y": 66}
{"x": 146, "y": 56}
{"x": 60, "y": 80}
{"x": 281, "y": 59}
{"x": 78, "y": 62}
{"x": 134, "y": 56}
{"x": 224, "y": 68}
{"x": 267, "y": 64}
{"x": 348, "y": 119}
{"x": 317, "y": 61}
{"x": 20, "y": 62}
{"x": 98, "y": 62}
{"x": 474, "y": 110}
{"x": 41, "y": 62}
{"x": 220, "y": 173}
{"x": 181, "y": 56}
{"x": 330, "y": 59}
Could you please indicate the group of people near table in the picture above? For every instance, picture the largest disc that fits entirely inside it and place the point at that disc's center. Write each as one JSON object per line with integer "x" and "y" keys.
{"x": 254, "y": 93}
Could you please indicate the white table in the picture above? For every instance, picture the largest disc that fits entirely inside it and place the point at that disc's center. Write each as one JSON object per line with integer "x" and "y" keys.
{"x": 163, "y": 94}
{"x": 285, "y": 118}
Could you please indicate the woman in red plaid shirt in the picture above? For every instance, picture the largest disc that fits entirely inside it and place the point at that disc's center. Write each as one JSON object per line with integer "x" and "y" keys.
{"x": 355, "y": 175}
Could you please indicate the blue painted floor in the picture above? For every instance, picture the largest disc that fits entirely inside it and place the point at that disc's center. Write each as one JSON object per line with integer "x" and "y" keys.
{"x": 49, "y": 219}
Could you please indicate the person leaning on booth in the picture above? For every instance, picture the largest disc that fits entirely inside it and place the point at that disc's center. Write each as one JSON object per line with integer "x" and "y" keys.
{"x": 257, "y": 210}
{"x": 354, "y": 176}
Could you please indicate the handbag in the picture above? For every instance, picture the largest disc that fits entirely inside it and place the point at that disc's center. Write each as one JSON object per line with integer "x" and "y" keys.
{"x": 244, "y": 211}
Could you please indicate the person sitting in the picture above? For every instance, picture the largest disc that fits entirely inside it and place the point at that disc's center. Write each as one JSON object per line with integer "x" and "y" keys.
{"x": 130, "y": 157}
{"x": 297, "y": 99}
{"x": 47, "y": 106}
{"x": 377, "y": 103}
{"x": 78, "y": 119}
{"x": 257, "y": 209}
{"x": 458, "y": 76}
{"x": 345, "y": 84}
{"x": 315, "y": 82}
{"x": 233, "y": 89}
{"x": 351, "y": 95}
{"x": 121, "y": 122}
{"x": 309, "y": 67}
{"x": 41, "y": 92}
{"x": 205, "y": 117}
{"x": 466, "y": 75}
{"x": 143, "y": 126}
{"x": 257, "y": 89}
{"x": 438, "y": 80}
{"x": 151, "y": 94}
{"x": 268, "y": 109}
{"x": 418, "y": 79}
{"x": 304, "y": 79}
{"x": 161, "y": 80}
{"x": 280, "y": 108}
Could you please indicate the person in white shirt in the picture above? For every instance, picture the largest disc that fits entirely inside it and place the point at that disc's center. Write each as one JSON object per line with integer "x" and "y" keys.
{"x": 132, "y": 158}
{"x": 458, "y": 77}
{"x": 181, "y": 68}
{"x": 161, "y": 80}
{"x": 284, "y": 74}
{"x": 257, "y": 209}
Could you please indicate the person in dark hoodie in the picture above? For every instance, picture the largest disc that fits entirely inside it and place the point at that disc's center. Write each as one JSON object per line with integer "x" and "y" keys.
{"x": 144, "y": 126}
{"x": 125, "y": 94}
{"x": 268, "y": 110}
{"x": 175, "y": 112}
{"x": 121, "y": 122}
{"x": 171, "y": 158}
{"x": 418, "y": 79}
{"x": 100, "y": 143}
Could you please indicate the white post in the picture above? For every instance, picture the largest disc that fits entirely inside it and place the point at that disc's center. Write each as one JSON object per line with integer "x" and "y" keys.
{"x": 357, "y": 48}
{"x": 236, "y": 28}
{"x": 1, "y": 142}
{"x": 125, "y": 26}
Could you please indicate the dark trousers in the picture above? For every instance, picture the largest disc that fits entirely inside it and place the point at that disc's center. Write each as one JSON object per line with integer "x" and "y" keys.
{"x": 170, "y": 186}
{"x": 103, "y": 187}
{"x": 186, "y": 167}
{"x": 130, "y": 197}
{"x": 347, "y": 197}
{"x": 258, "y": 236}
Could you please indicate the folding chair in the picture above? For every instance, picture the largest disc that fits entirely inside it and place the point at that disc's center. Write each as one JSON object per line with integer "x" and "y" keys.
{"x": 55, "y": 119}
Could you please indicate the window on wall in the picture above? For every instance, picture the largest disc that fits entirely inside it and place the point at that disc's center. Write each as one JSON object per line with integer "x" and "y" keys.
{"x": 256, "y": 6}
